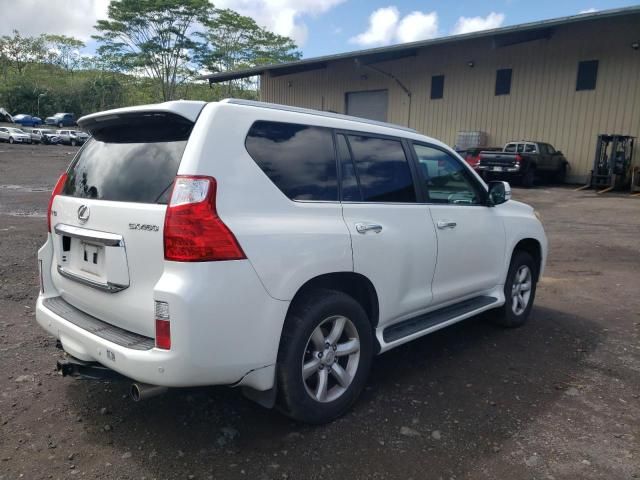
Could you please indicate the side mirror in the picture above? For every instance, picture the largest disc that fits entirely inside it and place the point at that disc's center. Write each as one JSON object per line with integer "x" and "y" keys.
{"x": 499, "y": 192}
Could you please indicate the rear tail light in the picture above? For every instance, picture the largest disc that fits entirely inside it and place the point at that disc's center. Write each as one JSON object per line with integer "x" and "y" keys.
{"x": 57, "y": 190}
{"x": 163, "y": 326}
{"x": 193, "y": 232}
{"x": 518, "y": 158}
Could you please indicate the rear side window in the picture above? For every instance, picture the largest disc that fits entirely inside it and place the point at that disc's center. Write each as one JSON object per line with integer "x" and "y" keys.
{"x": 298, "y": 159}
{"x": 382, "y": 169}
{"x": 511, "y": 147}
{"x": 131, "y": 158}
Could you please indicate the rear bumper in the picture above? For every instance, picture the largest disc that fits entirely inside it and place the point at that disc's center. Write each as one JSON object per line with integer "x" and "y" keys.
{"x": 504, "y": 170}
{"x": 225, "y": 328}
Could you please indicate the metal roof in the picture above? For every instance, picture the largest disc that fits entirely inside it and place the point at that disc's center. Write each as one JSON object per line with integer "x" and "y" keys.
{"x": 318, "y": 113}
{"x": 502, "y": 37}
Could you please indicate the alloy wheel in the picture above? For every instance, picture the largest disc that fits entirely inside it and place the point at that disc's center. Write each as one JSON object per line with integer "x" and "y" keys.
{"x": 521, "y": 289}
{"x": 331, "y": 357}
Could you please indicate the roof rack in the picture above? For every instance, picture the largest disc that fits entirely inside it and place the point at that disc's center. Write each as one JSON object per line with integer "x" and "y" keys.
{"x": 319, "y": 113}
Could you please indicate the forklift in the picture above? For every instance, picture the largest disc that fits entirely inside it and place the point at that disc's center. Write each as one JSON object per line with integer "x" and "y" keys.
{"x": 612, "y": 165}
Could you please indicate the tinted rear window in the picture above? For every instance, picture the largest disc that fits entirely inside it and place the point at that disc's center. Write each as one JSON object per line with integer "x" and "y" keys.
{"x": 134, "y": 159}
{"x": 382, "y": 169}
{"x": 299, "y": 159}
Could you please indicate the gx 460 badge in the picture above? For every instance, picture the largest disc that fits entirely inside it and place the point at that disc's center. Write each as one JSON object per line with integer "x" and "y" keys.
{"x": 143, "y": 226}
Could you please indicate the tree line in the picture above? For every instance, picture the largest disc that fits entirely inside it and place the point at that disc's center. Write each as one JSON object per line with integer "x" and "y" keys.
{"x": 148, "y": 51}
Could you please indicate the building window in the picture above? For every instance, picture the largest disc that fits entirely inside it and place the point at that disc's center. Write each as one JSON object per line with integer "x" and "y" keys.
{"x": 437, "y": 87}
{"x": 587, "y": 75}
{"x": 503, "y": 81}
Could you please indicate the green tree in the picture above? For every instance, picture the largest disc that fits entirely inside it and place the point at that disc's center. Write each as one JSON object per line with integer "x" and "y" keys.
{"x": 233, "y": 41}
{"x": 18, "y": 51}
{"x": 63, "y": 51}
{"x": 153, "y": 37}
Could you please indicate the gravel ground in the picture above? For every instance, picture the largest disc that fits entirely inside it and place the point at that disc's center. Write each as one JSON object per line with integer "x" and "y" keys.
{"x": 556, "y": 399}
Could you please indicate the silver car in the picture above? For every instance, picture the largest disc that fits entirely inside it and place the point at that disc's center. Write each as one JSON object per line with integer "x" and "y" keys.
{"x": 44, "y": 136}
{"x": 14, "y": 135}
{"x": 72, "y": 137}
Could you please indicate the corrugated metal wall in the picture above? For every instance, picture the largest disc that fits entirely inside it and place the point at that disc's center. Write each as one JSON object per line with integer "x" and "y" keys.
{"x": 543, "y": 104}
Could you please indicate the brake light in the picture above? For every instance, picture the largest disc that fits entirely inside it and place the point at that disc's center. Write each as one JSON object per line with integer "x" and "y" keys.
{"x": 518, "y": 158}
{"x": 193, "y": 232}
{"x": 57, "y": 190}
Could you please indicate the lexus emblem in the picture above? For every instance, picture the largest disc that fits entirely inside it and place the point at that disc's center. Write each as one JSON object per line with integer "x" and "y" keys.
{"x": 83, "y": 213}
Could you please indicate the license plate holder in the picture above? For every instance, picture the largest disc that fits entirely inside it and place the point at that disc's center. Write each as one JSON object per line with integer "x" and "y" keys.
{"x": 92, "y": 258}
{"x": 496, "y": 169}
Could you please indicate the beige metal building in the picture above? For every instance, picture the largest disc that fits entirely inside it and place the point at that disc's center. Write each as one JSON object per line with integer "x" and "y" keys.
{"x": 560, "y": 81}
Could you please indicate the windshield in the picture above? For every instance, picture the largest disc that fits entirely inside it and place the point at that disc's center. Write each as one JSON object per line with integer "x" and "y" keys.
{"x": 15, "y": 130}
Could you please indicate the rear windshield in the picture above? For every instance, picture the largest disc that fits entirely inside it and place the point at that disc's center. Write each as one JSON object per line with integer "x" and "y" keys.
{"x": 133, "y": 159}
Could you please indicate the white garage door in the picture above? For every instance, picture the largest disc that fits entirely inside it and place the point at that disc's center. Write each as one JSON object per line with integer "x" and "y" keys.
{"x": 371, "y": 104}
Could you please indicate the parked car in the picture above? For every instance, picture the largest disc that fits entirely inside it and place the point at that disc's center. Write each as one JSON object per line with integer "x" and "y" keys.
{"x": 46, "y": 137}
{"x": 472, "y": 155}
{"x": 72, "y": 137}
{"x": 27, "y": 120}
{"x": 196, "y": 243}
{"x": 14, "y": 135}
{"x": 61, "y": 120}
{"x": 524, "y": 161}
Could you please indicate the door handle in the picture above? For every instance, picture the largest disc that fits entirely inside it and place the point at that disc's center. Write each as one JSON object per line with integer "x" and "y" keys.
{"x": 442, "y": 224}
{"x": 367, "y": 227}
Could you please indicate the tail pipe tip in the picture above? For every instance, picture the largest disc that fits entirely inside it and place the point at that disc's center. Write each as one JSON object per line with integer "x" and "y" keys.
{"x": 142, "y": 391}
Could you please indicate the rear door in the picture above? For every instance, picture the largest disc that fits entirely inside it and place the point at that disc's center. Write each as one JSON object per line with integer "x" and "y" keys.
{"x": 393, "y": 239}
{"x": 471, "y": 236}
{"x": 107, "y": 225}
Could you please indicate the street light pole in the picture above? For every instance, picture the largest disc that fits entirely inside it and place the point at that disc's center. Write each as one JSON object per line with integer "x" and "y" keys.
{"x": 39, "y": 97}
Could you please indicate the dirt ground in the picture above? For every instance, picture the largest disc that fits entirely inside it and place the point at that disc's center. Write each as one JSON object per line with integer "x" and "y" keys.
{"x": 556, "y": 399}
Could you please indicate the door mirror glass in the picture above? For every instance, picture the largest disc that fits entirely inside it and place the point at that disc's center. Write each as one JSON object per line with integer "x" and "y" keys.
{"x": 499, "y": 192}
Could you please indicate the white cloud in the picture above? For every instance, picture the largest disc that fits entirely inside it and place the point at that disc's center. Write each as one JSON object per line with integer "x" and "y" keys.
{"x": 418, "y": 26}
{"x": 284, "y": 17}
{"x": 383, "y": 23}
{"x": 475, "y": 24}
{"x": 386, "y": 27}
{"x": 75, "y": 18}
{"x": 589, "y": 10}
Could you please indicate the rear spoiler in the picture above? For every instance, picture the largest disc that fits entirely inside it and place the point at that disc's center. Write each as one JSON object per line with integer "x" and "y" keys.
{"x": 189, "y": 110}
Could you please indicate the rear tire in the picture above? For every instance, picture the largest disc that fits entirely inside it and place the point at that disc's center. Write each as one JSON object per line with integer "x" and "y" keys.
{"x": 528, "y": 178}
{"x": 325, "y": 356}
{"x": 519, "y": 292}
{"x": 10, "y": 139}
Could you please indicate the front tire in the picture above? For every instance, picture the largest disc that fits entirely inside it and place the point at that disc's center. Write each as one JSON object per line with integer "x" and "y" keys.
{"x": 561, "y": 174}
{"x": 519, "y": 292}
{"x": 325, "y": 356}
{"x": 11, "y": 140}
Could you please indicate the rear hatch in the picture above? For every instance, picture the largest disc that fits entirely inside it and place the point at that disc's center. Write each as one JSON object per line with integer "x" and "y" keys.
{"x": 107, "y": 223}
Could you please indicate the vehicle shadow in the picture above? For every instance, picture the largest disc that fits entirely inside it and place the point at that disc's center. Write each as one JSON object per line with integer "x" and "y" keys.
{"x": 431, "y": 408}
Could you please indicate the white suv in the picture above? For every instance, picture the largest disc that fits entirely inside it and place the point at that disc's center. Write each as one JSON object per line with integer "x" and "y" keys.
{"x": 271, "y": 248}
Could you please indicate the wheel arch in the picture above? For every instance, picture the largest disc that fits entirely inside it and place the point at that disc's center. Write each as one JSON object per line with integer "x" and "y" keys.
{"x": 533, "y": 247}
{"x": 353, "y": 284}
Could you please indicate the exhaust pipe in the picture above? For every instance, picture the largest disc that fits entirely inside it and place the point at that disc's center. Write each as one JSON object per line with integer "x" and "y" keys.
{"x": 142, "y": 391}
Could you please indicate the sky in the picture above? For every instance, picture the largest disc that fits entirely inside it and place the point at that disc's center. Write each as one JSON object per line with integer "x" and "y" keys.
{"x": 320, "y": 27}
